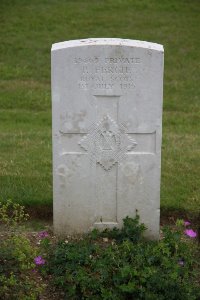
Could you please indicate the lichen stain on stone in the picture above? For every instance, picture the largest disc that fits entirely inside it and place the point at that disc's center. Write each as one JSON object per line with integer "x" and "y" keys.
{"x": 73, "y": 122}
{"x": 64, "y": 174}
{"x": 132, "y": 173}
{"x": 118, "y": 51}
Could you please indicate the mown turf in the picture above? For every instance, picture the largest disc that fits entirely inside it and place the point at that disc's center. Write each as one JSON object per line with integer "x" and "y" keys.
{"x": 27, "y": 30}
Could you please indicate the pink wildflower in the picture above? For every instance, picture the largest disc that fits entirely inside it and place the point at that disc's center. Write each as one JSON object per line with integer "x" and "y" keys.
{"x": 187, "y": 223}
{"x": 191, "y": 233}
{"x": 39, "y": 260}
{"x": 181, "y": 262}
{"x": 43, "y": 234}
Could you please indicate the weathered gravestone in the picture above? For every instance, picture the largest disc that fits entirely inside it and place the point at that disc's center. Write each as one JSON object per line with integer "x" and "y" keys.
{"x": 107, "y": 118}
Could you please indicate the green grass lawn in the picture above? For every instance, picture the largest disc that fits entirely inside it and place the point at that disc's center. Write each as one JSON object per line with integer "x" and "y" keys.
{"x": 27, "y": 30}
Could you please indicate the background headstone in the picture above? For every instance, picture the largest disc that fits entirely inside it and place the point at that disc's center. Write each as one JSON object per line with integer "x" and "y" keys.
{"x": 107, "y": 122}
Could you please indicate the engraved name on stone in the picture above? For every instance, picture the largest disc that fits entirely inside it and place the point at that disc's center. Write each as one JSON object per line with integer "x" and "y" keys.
{"x": 107, "y": 73}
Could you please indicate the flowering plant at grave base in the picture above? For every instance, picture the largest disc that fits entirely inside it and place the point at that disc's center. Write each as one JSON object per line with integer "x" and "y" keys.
{"x": 187, "y": 223}
{"x": 17, "y": 281}
{"x": 119, "y": 263}
{"x": 191, "y": 233}
{"x": 43, "y": 234}
{"x": 39, "y": 260}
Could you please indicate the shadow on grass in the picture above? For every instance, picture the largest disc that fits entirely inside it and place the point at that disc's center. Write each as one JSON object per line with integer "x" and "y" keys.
{"x": 167, "y": 216}
{"x": 40, "y": 212}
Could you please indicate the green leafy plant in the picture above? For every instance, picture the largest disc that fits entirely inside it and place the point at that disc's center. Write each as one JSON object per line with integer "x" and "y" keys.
{"x": 132, "y": 230}
{"x": 121, "y": 264}
{"x": 17, "y": 278}
{"x": 113, "y": 264}
{"x": 12, "y": 214}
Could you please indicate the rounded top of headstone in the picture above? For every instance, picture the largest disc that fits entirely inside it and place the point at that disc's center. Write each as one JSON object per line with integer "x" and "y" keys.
{"x": 107, "y": 41}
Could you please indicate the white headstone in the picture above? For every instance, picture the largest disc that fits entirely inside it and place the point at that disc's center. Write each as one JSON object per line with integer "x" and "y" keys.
{"x": 107, "y": 122}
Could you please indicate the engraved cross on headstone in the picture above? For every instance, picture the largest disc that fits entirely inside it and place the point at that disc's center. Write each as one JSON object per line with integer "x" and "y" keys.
{"x": 106, "y": 143}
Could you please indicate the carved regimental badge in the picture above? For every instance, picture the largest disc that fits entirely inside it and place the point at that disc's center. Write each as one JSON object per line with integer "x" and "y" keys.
{"x": 107, "y": 142}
